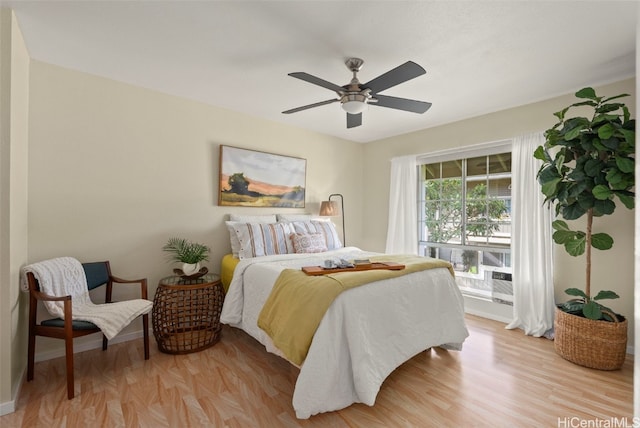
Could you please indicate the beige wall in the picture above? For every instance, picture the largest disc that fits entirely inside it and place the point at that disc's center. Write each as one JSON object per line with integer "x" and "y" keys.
{"x": 611, "y": 269}
{"x": 14, "y": 112}
{"x": 115, "y": 170}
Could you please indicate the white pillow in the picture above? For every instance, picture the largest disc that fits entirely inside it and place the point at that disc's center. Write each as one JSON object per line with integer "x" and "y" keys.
{"x": 308, "y": 242}
{"x": 263, "y": 239}
{"x": 326, "y": 228}
{"x": 294, "y": 217}
{"x": 267, "y": 218}
{"x": 235, "y": 218}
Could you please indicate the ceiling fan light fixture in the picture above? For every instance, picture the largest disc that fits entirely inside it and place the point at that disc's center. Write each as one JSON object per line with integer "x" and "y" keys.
{"x": 354, "y": 103}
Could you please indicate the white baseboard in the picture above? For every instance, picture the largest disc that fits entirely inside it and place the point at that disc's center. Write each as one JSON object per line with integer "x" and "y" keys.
{"x": 10, "y": 406}
{"x": 487, "y": 309}
{"x": 498, "y": 312}
{"x": 88, "y": 345}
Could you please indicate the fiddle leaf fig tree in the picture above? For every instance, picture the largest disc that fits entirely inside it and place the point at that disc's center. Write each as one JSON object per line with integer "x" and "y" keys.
{"x": 588, "y": 166}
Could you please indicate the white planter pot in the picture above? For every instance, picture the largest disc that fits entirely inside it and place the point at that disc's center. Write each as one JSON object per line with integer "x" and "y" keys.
{"x": 190, "y": 268}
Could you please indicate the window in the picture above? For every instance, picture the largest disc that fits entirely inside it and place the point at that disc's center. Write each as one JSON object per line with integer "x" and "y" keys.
{"x": 465, "y": 217}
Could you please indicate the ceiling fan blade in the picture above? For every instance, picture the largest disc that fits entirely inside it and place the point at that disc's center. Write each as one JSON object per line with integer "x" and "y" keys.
{"x": 321, "y": 103}
{"x": 401, "y": 104}
{"x": 354, "y": 120}
{"x": 317, "y": 81}
{"x": 400, "y": 74}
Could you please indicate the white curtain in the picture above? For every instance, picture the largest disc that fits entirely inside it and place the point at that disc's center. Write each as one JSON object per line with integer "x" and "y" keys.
{"x": 531, "y": 243}
{"x": 402, "y": 230}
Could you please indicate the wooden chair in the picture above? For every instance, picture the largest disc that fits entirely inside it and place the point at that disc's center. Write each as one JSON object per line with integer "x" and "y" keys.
{"x": 98, "y": 274}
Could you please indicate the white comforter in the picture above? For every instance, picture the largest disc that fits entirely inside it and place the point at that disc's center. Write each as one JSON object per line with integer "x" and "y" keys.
{"x": 366, "y": 333}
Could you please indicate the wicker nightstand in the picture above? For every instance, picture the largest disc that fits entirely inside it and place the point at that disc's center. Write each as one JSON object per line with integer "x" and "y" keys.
{"x": 186, "y": 313}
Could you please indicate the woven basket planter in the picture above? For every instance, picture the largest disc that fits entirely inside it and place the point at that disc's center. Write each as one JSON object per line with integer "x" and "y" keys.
{"x": 598, "y": 345}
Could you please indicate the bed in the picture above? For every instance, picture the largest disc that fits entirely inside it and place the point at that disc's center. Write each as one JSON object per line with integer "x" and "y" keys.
{"x": 365, "y": 334}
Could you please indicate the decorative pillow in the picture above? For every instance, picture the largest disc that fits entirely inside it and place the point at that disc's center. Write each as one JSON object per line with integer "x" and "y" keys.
{"x": 326, "y": 228}
{"x": 234, "y": 218}
{"x": 263, "y": 239}
{"x": 308, "y": 242}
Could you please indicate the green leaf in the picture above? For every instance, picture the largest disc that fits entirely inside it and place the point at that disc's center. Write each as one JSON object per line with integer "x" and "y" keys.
{"x": 606, "y": 131}
{"x": 627, "y": 200}
{"x": 604, "y": 118}
{"x": 541, "y": 154}
{"x": 560, "y": 225}
{"x": 611, "y": 143}
{"x": 573, "y": 211}
{"x": 573, "y": 307}
{"x": 626, "y": 182}
{"x": 625, "y": 164}
{"x": 563, "y": 236}
{"x": 606, "y": 294}
{"x": 549, "y": 188}
{"x": 579, "y": 187}
{"x": 586, "y": 200}
{"x": 559, "y": 160}
{"x": 605, "y": 207}
{"x": 602, "y": 192}
{"x": 601, "y": 241}
{"x": 560, "y": 114}
{"x": 614, "y": 97}
{"x": 577, "y": 174}
{"x": 574, "y": 132}
{"x": 629, "y": 138}
{"x": 576, "y": 247}
{"x": 592, "y": 311}
{"x": 605, "y": 108}
{"x": 547, "y": 172}
{"x": 593, "y": 166}
{"x": 614, "y": 175}
{"x": 587, "y": 93}
{"x": 575, "y": 292}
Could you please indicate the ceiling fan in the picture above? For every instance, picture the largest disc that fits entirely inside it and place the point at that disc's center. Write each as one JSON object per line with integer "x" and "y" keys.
{"x": 355, "y": 96}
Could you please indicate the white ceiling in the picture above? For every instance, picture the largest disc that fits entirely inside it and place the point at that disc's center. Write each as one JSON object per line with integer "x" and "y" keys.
{"x": 480, "y": 56}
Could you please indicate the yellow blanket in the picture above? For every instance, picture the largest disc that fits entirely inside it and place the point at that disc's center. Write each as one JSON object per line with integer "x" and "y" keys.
{"x": 298, "y": 302}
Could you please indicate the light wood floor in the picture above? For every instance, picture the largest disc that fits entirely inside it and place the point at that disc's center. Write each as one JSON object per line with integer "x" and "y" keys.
{"x": 501, "y": 378}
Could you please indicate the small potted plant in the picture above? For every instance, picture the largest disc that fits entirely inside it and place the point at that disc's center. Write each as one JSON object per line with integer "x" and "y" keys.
{"x": 190, "y": 254}
{"x": 588, "y": 166}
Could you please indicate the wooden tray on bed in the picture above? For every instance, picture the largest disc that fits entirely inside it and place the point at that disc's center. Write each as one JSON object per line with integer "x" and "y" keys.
{"x": 319, "y": 270}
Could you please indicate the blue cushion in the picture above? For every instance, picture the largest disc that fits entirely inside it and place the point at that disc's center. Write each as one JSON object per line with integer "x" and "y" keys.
{"x": 76, "y": 325}
{"x": 97, "y": 274}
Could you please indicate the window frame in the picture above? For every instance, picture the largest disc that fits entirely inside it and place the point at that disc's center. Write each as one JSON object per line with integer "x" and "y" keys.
{"x": 458, "y": 154}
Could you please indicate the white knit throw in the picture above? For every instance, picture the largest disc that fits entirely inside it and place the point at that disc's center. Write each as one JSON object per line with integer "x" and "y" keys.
{"x": 65, "y": 276}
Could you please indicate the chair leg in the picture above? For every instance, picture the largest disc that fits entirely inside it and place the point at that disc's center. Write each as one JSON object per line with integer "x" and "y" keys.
{"x": 104, "y": 342}
{"x": 69, "y": 357}
{"x": 145, "y": 334}
{"x": 31, "y": 355}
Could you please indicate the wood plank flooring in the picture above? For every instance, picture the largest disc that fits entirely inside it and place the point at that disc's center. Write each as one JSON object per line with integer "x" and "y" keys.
{"x": 501, "y": 378}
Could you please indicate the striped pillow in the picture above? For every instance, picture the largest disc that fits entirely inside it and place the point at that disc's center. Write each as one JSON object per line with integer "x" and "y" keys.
{"x": 326, "y": 228}
{"x": 263, "y": 239}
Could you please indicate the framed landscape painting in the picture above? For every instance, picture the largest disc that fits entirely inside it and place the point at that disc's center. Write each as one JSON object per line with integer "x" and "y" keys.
{"x": 251, "y": 178}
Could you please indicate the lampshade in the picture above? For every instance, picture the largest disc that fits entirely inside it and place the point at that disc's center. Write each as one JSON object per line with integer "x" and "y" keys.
{"x": 329, "y": 209}
{"x": 354, "y": 103}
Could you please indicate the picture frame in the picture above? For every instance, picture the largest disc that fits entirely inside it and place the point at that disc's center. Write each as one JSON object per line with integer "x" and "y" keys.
{"x": 252, "y": 178}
